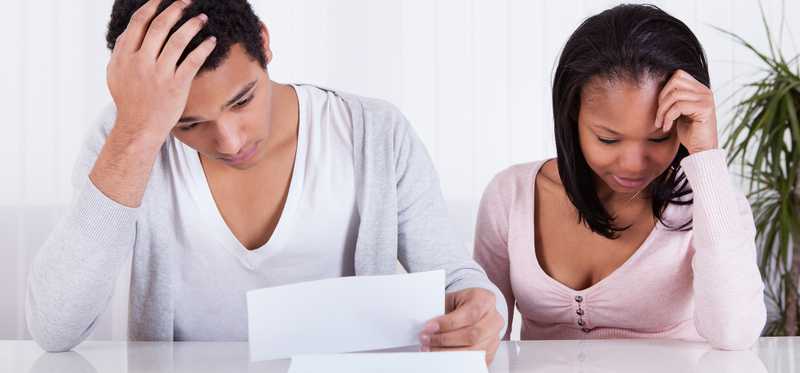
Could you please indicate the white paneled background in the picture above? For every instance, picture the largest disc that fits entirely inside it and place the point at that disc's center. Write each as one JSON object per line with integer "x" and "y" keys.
{"x": 473, "y": 76}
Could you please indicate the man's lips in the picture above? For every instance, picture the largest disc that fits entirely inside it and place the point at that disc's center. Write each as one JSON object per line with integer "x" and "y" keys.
{"x": 242, "y": 156}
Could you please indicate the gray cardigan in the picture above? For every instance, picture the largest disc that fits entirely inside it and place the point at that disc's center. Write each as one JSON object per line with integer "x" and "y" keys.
{"x": 403, "y": 217}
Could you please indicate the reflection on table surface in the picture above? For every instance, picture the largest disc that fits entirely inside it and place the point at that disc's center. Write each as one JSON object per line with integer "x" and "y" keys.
{"x": 774, "y": 355}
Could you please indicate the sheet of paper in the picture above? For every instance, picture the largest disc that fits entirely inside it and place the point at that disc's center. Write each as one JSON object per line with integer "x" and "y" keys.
{"x": 398, "y": 362}
{"x": 343, "y": 314}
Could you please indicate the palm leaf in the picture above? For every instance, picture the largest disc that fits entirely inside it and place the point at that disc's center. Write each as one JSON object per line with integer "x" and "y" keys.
{"x": 764, "y": 140}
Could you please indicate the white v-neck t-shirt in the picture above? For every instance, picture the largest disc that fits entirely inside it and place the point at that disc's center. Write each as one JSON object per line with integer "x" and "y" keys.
{"x": 314, "y": 238}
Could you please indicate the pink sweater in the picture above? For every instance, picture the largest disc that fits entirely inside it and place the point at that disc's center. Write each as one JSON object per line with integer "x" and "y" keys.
{"x": 701, "y": 284}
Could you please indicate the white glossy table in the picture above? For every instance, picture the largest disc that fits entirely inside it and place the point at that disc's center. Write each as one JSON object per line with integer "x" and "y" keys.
{"x": 620, "y": 356}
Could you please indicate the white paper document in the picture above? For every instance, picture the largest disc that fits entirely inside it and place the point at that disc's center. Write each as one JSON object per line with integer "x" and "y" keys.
{"x": 397, "y": 362}
{"x": 343, "y": 314}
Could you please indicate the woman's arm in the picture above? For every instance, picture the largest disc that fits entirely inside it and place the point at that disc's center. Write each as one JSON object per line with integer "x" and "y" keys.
{"x": 728, "y": 290}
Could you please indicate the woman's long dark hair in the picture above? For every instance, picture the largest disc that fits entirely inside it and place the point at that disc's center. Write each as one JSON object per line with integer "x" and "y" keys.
{"x": 624, "y": 42}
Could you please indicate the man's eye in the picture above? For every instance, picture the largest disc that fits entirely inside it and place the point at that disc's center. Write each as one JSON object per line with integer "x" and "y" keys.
{"x": 243, "y": 103}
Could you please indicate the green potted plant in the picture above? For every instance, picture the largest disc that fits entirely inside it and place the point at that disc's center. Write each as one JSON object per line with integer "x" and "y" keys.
{"x": 764, "y": 141}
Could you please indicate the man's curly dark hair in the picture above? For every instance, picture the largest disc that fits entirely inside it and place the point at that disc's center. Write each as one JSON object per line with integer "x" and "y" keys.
{"x": 231, "y": 21}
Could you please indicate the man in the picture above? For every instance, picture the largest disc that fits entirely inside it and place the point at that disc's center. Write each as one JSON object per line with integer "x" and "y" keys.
{"x": 218, "y": 180}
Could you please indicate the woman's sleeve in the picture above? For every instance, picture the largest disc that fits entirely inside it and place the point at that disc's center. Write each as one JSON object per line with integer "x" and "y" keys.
{"x": 728, "y": 290}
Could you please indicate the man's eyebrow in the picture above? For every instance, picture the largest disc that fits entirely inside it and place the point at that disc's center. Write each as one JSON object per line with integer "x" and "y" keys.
{"x": 189, "y": 120}
{"x": 241, "y": 94}
{"x": 230, "y": 102}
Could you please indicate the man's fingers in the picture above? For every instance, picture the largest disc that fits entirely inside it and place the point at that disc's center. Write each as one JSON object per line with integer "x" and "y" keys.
{"x": 489, "y": 347}
{"x": 194, "y": 61}
{"x": 466, "y": 314}
{"x": 487, "y": 328}
{"x": 160, "y": 27}
{"x": 464, "y": 337}
{"x": 460, "y": 318}
{"x": 131, "y": 39}
{"x": 179, "y": 40}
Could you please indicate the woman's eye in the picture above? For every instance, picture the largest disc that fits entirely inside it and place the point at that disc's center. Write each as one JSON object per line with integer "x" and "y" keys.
{"x": 661, "y": 139}
{"x": 606, "y": 141}
{"x": 186, "y": 128}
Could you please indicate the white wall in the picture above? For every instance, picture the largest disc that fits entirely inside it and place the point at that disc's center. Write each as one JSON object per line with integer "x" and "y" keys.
{"x": 473, "y": 76}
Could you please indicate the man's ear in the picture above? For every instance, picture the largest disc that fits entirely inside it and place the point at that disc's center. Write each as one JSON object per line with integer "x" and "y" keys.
{"x": 265, "y": 37}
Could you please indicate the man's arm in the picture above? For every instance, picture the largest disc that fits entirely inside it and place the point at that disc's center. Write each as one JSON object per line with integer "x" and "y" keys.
{"x": 475, "y": 307}
{"x": 72, "y": 278}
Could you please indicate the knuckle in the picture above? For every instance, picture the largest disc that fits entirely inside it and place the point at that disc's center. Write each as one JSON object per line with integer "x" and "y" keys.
{"x": 474, "y": 314}
{"x": 473, "y": 336}
{"x": 672, "y": 94}
{"x": 193, "y": 61}
{"x": 172, "y": 89}
{"x": 139, "y": 64}
{"x": 159, "y": 24}
{"x": 139, "y": 17}
{"x": 497, "y": 318}
{"x": 451, "y": 324}
{"x": 179, "y": 38}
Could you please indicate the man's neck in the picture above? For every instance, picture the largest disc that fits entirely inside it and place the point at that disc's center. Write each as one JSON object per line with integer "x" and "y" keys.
{"x": 285, "y": 119}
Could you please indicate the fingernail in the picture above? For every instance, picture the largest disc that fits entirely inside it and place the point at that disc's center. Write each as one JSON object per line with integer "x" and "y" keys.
{"x": 203, "y": 17}
{"x": 213, "y": 39}
{"x": 425, "y": 339}
{"x": 431, "y": 327}
{"x": 187, "y": 2}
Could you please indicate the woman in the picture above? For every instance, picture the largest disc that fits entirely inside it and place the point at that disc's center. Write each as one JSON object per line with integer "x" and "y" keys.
{"x": 636, "y": 229}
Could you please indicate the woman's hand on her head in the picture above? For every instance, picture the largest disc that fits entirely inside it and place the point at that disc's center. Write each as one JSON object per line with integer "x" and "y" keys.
{"x": 689, "y": 105}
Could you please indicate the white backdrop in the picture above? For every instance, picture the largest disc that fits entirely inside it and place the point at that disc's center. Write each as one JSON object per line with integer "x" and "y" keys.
{"x": 473, "y": 76}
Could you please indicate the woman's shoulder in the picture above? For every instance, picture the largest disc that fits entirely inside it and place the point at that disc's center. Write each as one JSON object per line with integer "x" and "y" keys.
{"x": 515, "y": 179}
{"x": 519, "y": 173}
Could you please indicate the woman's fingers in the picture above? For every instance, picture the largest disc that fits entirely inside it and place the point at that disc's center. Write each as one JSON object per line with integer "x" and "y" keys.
{"x": 669, "y": 100}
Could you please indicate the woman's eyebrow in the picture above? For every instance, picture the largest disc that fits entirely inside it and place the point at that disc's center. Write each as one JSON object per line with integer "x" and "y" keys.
{"x": 656, "y": 131}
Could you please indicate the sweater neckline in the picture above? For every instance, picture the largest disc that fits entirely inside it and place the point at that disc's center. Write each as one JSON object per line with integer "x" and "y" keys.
{"x": 201, "y": 192}
{"x": 528, "y": 207}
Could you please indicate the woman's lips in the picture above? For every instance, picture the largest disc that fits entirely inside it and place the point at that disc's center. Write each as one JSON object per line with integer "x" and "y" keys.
{"x": 629, "y": 182}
